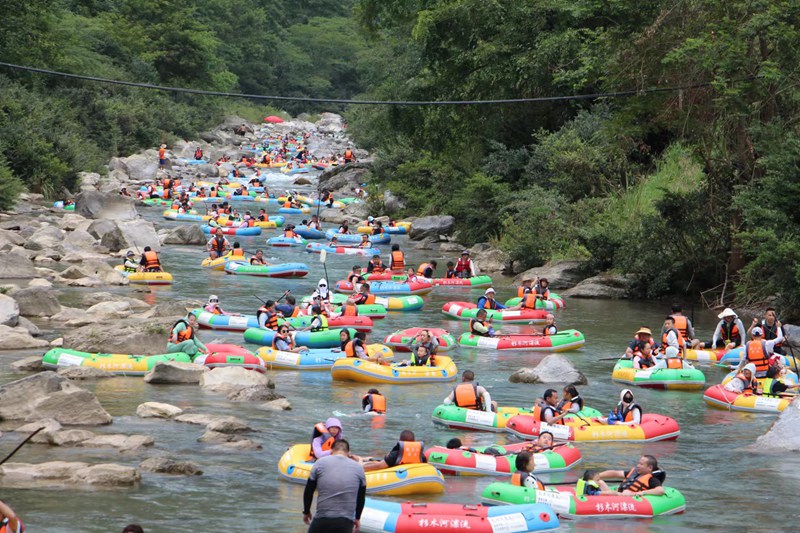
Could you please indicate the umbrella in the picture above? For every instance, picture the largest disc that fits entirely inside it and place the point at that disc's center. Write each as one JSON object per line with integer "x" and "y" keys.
{"x": 273, "y": 119}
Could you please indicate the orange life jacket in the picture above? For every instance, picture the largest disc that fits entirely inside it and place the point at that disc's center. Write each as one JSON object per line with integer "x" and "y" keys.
{"x": 681, "y": 339}
{"x": 186, "y": 334}
{"x": 544, "y": 294}
{"x": 378, "y": 269}
{"x": 547, "y": 331}
{"x": 522, "y": 291}
{"x": 422, "y": 268}
{"x": 489, "y": 304}
{"x": 237, "y": 252}
{"x": 627, "y": 413}
{"x": 466, "y": 396}
{"x": 350, "y": 349}
{"x": 518, "y": 479}
{"x": 272, "y": 318}
{"x": 377, "y": 401}
{"x": 348, "y": 154}
{"x": 213, "y": 194}
{"x": 290, "y": 234}
{"x": 162, "y": 153}
{"x": 472, "y": 323}
{"x": 349, "y": 309}
{"x": 730, "y": 332}
{"x": 675, "y": 363}
{"x": 640, "y": 343}
{"x": 756, "y": 353}
{"x": 682, "y": 325}
{"x": 216, "y": 311}
{"x": 529, "y": 301}
{"x": 321, "y": 430}
{"x": 410, "y": 452}
{"x": 287, "y": 338}
{"x": 218, "y": 245}
{"x": 634, "y": 482}
{"x": 539, "y": 411}
{"x": 398, "y": 260}
{"x": 151, "y": 260}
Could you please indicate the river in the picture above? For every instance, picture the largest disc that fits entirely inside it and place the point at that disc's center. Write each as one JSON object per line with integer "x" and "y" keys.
{"x": 726, "y": 487}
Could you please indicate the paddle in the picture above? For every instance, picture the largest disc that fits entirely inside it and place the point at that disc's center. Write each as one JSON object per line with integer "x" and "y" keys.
{"x": 323, "y": 256}
{"x": 21, "y": 444}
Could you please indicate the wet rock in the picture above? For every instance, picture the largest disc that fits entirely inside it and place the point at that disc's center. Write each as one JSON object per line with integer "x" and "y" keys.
{"x": 36, "y": 301}
{"x": 343, "y": 178}
{"x": 158, "y": 410}
{"x": 99, "y": 297}
{"x": 175, "y": 372}
{"x": 186, "y": 234}
{"x": 70, "y": 437}
{"x": 32, "y": 328}
{"x": 432, "y": 226}
{"x": 62, "y": 473}
{"x": 46, "y": 237}
{"x": 257, "y": 393}
{"x": 242, "y": 444}
{"x": 95, "y": 205}
{"x": 229, "y": 425}
{"x": 560, "y": 274}
{"x": 131, "y": 235}
{"x": 552, "y": 369}
{"x": 45, "y": 436}
{"x": 603, "y": 286}
{"x": 100, "y": 227}
{"x": 9, "y": 311}
{"x": 301, "y": 181}
{"x": 84, "y": 372}
{"x": 783, "y": 435}
{"x": 230, "y": 379}
{"x": 229, "y": 440}
{"x": 19, "y": 338}
{"x": 40, "y": 283}
{"x": 14, "y": 265}
{"x": 168, "y": 465}
{"x": 122, "y": 442}
{"x": 48, "y": 395}
{"x": 281, "y": 404}
{"x": 174, "y": 309}
{"x": 204, "y": 419}
{"x": 29, "y": 364}
{"x": 131, "y": 335}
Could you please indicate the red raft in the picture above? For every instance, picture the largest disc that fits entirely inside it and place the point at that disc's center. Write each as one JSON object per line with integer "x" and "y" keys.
{"x": 653, "y": 428}
{"x": 399, "y": 340}
{"x": 223, "y": 355}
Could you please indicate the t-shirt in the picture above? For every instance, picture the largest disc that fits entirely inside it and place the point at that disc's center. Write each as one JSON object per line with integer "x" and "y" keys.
{"x": 338, "y": 480}
{"x": 285, "y": 309}
{"x": 393, "y": 457}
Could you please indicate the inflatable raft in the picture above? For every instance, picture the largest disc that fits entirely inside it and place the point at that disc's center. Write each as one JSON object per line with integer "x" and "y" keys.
{"x": 704, "y": 356}
{"x": 475, "y": 282}
{"x": 687, "y": 378}
{"x": 218, "y": 263}
{"x": 352, "y": 238}
{"x": 353, "y": 369}
{"x": 717, "y": 396}
{"x": 733, "y": 357}
{"x": 653, "y": 428}
{"x": 313, "y": 359}
{"x": 567, "y": 505}
{"x": 243, "y": 322}
{"x": 400, "y": 339}
{"x": 563, "y": 341}
{"x": 401, "y": 228}
{"x": 469, "y": 310}
{"x": 316, "y": 248}
{"x": 283, "y": 270}
{"x": 476, "y": 463}
{"x": 455, "y": 417}
{"x": 554, "y": 302}
{"x": 224, "y": 355}
{"x": 146, "y": 278}
{"x": 309, "y": 233}
{"x": 248, "y": 231}
{"x": 388, "y": 288}
{"x": 171, "y": 214}
{"x": 294, "y": 210}
{"x": 396, "y": 481}
{"x": 312, "y": 339}
{"x": 121, "y": 364}
{"x": 286, "y": 242}
{"x": 395, "y": 517}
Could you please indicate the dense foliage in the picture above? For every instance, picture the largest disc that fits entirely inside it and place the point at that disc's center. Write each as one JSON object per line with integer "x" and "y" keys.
{"x": 687, "y": 189}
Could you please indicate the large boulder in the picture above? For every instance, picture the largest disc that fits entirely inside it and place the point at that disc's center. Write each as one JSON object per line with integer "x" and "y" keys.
{"x": 560, "y": 274}
{"x": 36, "y": 301}
{"x": 46, "y": 237}
{"x": 552, "y": 369}
{"x": 185, "y": 234}
{"x": 32, "y": 363}
{"x": 168, "y": 465}
{"x": 157, "y": 410}
{"x": 140, "y": 166}
{"x": 131, "y": 235}
{"x": 343, "y": 178}
{"x": 230, "y": 379}
{"x": 257, "y": 393}
{"x": 18, "y": 339}
{"x": 15, "y": 265}
{"x": 122, "y": 442}
{"x": 100, "y": 227}
{"x": 9, "y": 311}
{"x": 169, "y": 372}
{"x": 11, "y": 238}
{"x": 174, "y": 309}
{"x": 603, "y": 286}
{"x": 792, "y": 334}
{"x": 95, "y": 204}
{"x": 84, "y": 372}
{"x": 391, "y": 203}
{"x": 110, "y": 310}
{"x": 133, "y": 335}
{"x": 98, "y": 272}
{"x": 432, "y": 226}
{"x": 330, "y": 124}
{"x": 60, "y": 473}
{"x": 48, "y": 395}
{"x": 79, "y": 240}
{"x": 784, "y": 435}
{"x": 489, "y": 259}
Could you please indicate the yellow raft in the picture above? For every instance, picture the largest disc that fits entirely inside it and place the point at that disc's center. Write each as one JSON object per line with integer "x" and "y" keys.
{"x": 146, "y": 278}
{"x": 321, "y": 359}
{"x": 219, "y": 263}
{"x": 363, "y": 371}
{"x": 400, "y": 480}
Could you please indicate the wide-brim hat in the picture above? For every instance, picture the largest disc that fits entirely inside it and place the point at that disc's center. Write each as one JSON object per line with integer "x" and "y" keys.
{"x": 727, "y": 312}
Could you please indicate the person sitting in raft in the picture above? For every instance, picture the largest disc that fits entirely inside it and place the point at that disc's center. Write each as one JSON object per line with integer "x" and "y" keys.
{"x": 129, "y": 263}
{"x": 626, "y": 413}
{"x": 465, "y": 267}
{"x": 745, "y": 381}
{"x": 344, "y": 228}
{"x": 355, "y": 278}
{"x": 284, "y": 342}
{"x": 761, "y": 353}
{"x": 319, "y": 322}
{"x": 150, "y": 261}
{"x": 424, "y": 338}
{"x": 523, "y": 477}
{"x": 481, "y": 326}
{"x": 322, "y": 291}
{"x": 267, "y": 316}
{"x": 487, "y": 301}
{"x": 237, "y": 252}
{"x": 373, "y": 402}
{"x": 411, "y": 276}
{"x": 450, "y": 273}
{"x": 124, "y": 192}
{"x": 364, "y": 297}
{"x": 198, "y": 154}
{"x": 323, "y": 437}
{"x": 258, "y": 259}
{"x": 644, "y": 478}
{"x": 375, "y": 265}
{"x": 218, "y": 245}
{"x": 314, "y": 223}
{"x": 289, "y": 307}
{"x": 644, "y": 358}
{"x": 378, "y": 228}
{"x": 543, "y": 443}
{"x": 541, "y": 289}
{"x": 426, "y": 270}
{"x": 350, "y": 307}
{"x": 571, "y": 401}
{"x": 213, "y": 307}
{"x": 671, "y": 337}
{"x": 586, "y": 485}
{"x": 183, "y": 337}
{"x": 471, "y": 395}
{"x": 334, "y": 242}
{"x": 262, "y": 215}
{"x": 550, "y": 327}
{"x": 545, "y": 409}
{"x": 728, "y": 333}
{"x": 289, "y": 232}
{"x": 640, "y": 338}
{"x": 671, "y": 358}
{"x": 773, "y": 386}
{"x": 422, "y": 357}
{"x": 325, "y": 305}
{"x": 398, "y": 263}
{"x": 772, "y": 329}
{"x": 683, "y": 325}
{"x": 365, "y": 242}
{"x": 525, "y": 288}
{"x": 406, "y": 451}
{"x": 357, "y": 348}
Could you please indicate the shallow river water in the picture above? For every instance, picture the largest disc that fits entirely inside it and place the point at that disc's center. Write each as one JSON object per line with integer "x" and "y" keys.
{"x": 726, "y": 486}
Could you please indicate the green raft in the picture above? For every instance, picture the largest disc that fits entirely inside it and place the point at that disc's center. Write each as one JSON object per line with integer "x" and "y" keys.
{"x": 566, "y": 504}
{"x": 555, "y": 302}
{"x": 455, "y": 417}
{"x": 687, "y": 378}
{"x": 122, "y": 364}
{"x": 312, "y": 339}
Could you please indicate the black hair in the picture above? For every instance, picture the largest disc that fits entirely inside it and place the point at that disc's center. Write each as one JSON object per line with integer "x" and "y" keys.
{"x": 548, "y": 393}
{"x": 523, "y": 458}
{"x": 342, "y": 445}
{"x": 407, "y": 436}
{"x": 269, "y": 303}
{"x": 373, "y": 391}
{"x": 290, "y": 300}
{"x": 454, "y": 443}
{"x": 468, "y": 375}
{"x": 361, "y": 336}
{"x": 395, "y": 247}
{"x": 677, "y": 308}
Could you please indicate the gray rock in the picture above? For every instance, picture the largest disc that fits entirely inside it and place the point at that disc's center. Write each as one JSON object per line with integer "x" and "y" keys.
{"x": 122, "y": 442}
{"x": 141, "y": 166}
{"x": 552, "y": 369}
{"x": 257, "y": 393}
{"x": 173, "y": 309}
{"x": 171, "y": 372}
{"x": 204, "y": 419}
{"x": 158, "y": 410}
{"x": 792, "y": 334}
{"x": 79, "y": 240}
{"x": 603, "y": 286}
{"x": 229, "y": 440}
{"x": 60, "y": 473}
{"x": 36, "y": 301}
{"x": 230, "y": 379}
{"x": 48, "y": 428}
{"x": 95, "y": 205}
{"x": 432, "y": 226}
{"x": 29, "y": 364}
{"x": 131, "y": 335}
{"x": 15, "y": 265}
{"x": 18, "y": 338}
{"x": 40, "y": 282}
{"x": 301, "y": 181}
{"x": 168, "y": 465}
{"x": 489, "y": 259}
{"x": 391, "y": 203}
{"x": 186, "y": 234}
{"x": 281, "y": 404}
{"x": 47, "y": 237}
{"x": 32, "y": 328}
{"x": 131, "y": 235}
{"x": 70, "y": 437}
{"x": 343, "y": 178}
{"x": 110, "y": 310}
{"x": 9, "y": 311}
{"x": 560, "y": 274}
{"x": 784, "y": 435}
{"x": 11, "y": 237}
{"x": 229, "y": 425}
{"x": 84, "y": 372}
{"x": 98, "y": 228}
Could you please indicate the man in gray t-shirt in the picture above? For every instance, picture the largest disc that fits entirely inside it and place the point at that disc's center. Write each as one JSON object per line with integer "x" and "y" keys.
{"x": 342, "y": 488}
